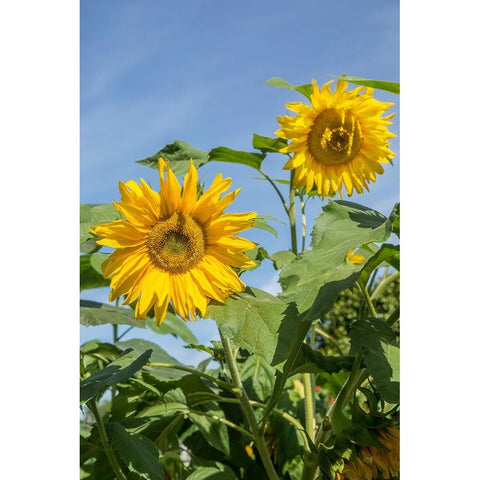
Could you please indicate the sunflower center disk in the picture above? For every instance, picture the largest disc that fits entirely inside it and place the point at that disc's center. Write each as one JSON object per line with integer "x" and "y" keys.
{"x": 336, "y": 137}
{"x": 177, "y": 243}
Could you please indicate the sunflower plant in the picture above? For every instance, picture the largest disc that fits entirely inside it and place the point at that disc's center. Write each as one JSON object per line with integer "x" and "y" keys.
{"x": 301, "y": 385}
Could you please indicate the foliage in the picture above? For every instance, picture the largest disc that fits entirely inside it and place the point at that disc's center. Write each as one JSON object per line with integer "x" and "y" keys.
{"x": 300, "y": 381}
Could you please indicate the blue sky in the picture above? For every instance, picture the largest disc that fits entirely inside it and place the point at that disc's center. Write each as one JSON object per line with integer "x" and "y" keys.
{"x": 152, "y": 72}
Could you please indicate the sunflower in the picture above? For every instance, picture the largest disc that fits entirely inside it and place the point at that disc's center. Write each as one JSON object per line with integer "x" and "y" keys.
{"x": 175, "y": 246}
{"x": 340, "y": 140}
{"x": 373, "y": 460}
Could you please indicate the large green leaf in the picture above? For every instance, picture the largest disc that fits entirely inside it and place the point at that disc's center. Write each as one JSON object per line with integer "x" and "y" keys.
{"x": 346, "y": 223}
{"x": 91, "y": 215}
{"x": 393, "y": 87}
{"x": 178, "y": 154}
{"x": 382, "y": 357}
{"x": 224, "y": 154}
{"x": 268, "y": 144}
{"x": 258, "y": 322}
{"x": 316, "y": 277}
{"x": 139, "y": 453}
{"x": 118, "y": 371}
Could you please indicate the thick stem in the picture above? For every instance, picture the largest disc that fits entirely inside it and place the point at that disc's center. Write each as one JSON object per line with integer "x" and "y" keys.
{"x": 309, "y": 409}
{"x": 103, "y": 436}
{"x": 335, "y": 412}
{"x": 241, "y": 394}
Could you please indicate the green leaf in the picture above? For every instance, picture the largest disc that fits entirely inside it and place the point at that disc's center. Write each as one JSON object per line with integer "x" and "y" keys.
{"x": 92, "y": 215}
{"x": 316, "y": 277}
{"x": 158, "y": 354}
{"x": 139, "y": 453}
{"x": 281, "y": 258}
{"x": 224, "y": 154}
{"x": 261, "y": 222}
{"x": 257, "y": 254}
{"x": 281, "y": 83}
{"x": 172, "y": 402}
{"x": 178, "y": 154}
{"x": 348, "y": 222}
{"x": 258, "y": 378}
{"x": 90, "y": 277}
{"x": 118, "y": 371}
{"x": 214, "y": 432}
{"x": 382, "y": 358}
{"x": 172, "y": 325}
{"x": 310, "y": 361}
{"x": 222, "y": 472}
{"x": 393, "y": 87}
{"x": 96, "y": 313}
{"x": 268, "y": 144}
{"x": 256, "y": 321}
{"x": 386, "y": 253}
{"x": 395, "y": 219}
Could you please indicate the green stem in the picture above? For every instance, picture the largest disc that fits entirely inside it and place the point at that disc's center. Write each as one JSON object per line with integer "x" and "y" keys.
{"x": 367, "y": 299}
{"x": 220, "y": 383}
{"x": 309, "y": 409}
{"x": 304, "y": 221}
{"x": 166, "y": 431}
{"x": 324, "y": 334}
{"x": 394, "y": 317}
{"x": 335, "y": 413}
{"x": 310, "y": 466}
{"x": 308, "y": 381}
{"x": 291, "y": 216}
{"x": 226, "y": 422}
{"x": 125, "y": 332}
{"x": 92, "y": 405}
{"x": 236, "y": 401}
{"x": 279, "y": 193}
{"x": 241, "y": 394}
{"x": 383, "y": 284}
